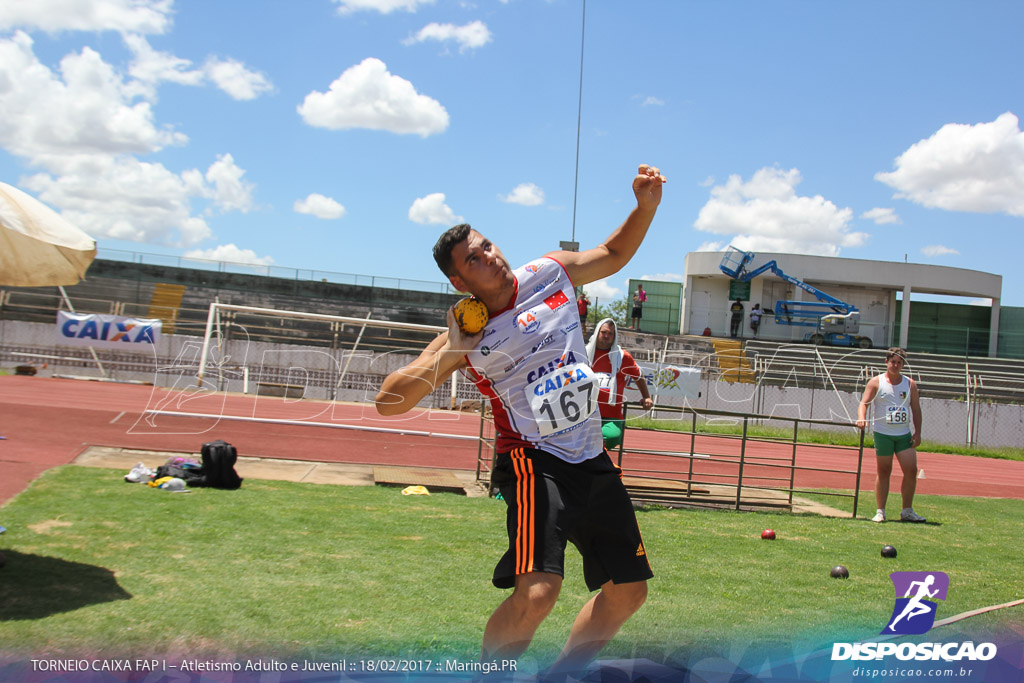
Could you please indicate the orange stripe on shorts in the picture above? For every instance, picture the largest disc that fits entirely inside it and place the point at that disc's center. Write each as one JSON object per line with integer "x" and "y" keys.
{"x": 525, "y": 503}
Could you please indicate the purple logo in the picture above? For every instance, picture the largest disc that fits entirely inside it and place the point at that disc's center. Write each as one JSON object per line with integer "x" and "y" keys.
{"x": 916, "y": 593}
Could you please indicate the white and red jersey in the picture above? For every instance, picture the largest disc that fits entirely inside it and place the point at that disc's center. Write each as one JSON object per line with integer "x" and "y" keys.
{"x": 531, "y": 363}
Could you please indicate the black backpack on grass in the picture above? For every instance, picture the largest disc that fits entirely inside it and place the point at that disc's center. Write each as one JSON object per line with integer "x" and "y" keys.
{"x": 219, "y": 458}
{"x": 187, "y": 470}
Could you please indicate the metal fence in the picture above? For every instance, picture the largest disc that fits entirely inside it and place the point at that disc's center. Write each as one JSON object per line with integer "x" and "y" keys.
{"x": 740, "y": 470}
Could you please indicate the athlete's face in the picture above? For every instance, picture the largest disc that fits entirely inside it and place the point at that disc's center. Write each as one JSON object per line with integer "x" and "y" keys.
{"x": 480, "y": 266}
{"x": 894, "y": 364}
{"x": 605, "y": 337}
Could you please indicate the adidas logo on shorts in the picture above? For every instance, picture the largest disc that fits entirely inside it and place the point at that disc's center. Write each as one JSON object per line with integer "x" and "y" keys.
{"x": 640, "y": 552}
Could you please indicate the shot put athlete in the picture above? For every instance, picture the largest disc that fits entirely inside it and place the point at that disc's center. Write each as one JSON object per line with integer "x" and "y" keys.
{"x": 530, "y": 362}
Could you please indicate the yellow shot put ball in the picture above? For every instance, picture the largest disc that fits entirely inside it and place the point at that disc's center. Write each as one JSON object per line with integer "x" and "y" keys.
{"x": 471, "y": 315}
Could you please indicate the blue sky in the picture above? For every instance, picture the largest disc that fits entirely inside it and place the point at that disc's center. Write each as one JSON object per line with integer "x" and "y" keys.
{"x": 345, "y": 135}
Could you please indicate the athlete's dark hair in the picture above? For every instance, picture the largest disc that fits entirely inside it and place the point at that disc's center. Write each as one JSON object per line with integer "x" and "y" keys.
{"x": 896, "y": 351}
{"x": 446, "y": 243}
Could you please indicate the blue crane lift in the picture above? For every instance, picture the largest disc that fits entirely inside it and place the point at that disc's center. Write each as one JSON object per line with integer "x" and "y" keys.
{"x": 835, "y": 322}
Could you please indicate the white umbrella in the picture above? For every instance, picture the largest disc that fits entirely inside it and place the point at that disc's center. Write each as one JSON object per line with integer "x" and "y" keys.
{"x": 38, "y": 248}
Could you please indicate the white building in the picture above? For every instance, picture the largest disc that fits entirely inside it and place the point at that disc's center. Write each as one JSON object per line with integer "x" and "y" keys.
{"x": 871, "y": 286}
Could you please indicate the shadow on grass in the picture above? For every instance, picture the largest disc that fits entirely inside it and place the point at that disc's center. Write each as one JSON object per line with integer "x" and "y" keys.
{"x": 35, "y": 587}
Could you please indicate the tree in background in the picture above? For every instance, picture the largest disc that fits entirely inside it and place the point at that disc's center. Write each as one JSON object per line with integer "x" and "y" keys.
{"x": 617, "y": 310}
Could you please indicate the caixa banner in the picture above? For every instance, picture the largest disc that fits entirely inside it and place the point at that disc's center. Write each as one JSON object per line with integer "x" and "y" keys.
{"x": 107, "y": 331}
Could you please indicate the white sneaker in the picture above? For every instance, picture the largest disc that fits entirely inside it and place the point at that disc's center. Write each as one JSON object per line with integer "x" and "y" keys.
{"x": 909, "y": 515}
{"x": 139, "y": 473}
{"x": 879, "y": 517}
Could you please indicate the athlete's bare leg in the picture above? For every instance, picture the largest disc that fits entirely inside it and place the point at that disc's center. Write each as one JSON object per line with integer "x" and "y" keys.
{"x": 599, "y": 621}
{"x": 512, "y": 625}
{"x": 908, "y": 463}
{"x": 883, "y": 469}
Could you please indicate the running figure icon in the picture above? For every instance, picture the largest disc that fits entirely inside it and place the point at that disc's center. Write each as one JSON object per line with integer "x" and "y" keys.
{"x": 915, "y": 607}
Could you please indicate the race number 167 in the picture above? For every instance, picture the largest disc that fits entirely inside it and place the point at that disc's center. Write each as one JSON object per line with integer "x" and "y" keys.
{"x": 565, "y": 411}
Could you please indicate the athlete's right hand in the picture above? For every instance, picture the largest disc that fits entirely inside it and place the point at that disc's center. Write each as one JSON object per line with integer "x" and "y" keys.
{"x": 457, "y": 339}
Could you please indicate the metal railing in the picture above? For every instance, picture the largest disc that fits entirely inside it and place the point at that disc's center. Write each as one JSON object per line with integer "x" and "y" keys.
{"x": 740, "y": 471}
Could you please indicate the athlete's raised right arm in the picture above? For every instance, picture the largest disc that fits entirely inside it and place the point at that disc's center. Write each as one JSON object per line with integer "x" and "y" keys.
{"x": 404, "y": 388}
{"x": 614, "y": 253}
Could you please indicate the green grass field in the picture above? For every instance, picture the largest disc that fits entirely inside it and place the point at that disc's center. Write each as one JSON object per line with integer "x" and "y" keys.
{"x": 100, "y": 567}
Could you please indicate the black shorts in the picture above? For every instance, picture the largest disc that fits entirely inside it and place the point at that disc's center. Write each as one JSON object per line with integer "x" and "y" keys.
{"x": 550, "y": 502}
{"x": 638, "y": 312}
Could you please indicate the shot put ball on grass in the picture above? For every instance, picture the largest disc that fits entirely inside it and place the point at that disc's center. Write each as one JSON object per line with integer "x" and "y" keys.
{"x": 768, "y": 535}
{"x": 471, "y": 315}
{"x": 840, "y": 572}
{"x": 888, "y": 551}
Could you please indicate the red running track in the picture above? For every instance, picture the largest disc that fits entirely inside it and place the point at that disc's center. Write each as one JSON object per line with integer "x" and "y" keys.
{"x": 48, "y": 422}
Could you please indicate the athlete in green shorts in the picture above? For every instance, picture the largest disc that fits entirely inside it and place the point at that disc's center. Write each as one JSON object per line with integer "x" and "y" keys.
{"x": 896, "y": 405}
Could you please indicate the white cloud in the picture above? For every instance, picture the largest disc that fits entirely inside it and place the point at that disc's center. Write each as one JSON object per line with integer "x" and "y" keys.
{"x": 231, "y": 254}
{"x": 603, "y": 290}
{"x": 472, "y": 35}
{"x": 977, "y": 168}
{"x": 432, "y": 209}
{"x": 368, "y": 96}
{"x": 236, "y": 79}
{"x": 651, "y": 101}
{"x": 86, "y": 109}
{"x": 382, "y": 6}
{"x": 120, "y": 197}
{"x": 524, "y": 194}
{"x": 123, "y": 198}
{"x": 81, "y": 127}
{"x": 937, "y": 250}
{"x": 320, "y": 206}
{"x": 127, "y": 16}
{"x": 663, "y": 277}
{"x": 151, "y": 67}
{"x": 881, "y": 216}
{"x": 766, "y": 214}
{"x": 229, "y": 191}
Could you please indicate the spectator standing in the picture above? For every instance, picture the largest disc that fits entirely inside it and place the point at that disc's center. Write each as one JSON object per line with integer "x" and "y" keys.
{"x": 583, "y": 306}
{"x": 613, "y": 366}
{"x": 737, "y": 318}
{"x": 639, "y": 299}
{"x": 755, "y": 318}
